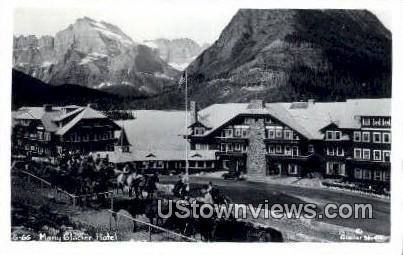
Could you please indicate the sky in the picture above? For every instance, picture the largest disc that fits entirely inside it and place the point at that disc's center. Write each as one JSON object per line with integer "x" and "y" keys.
{"x": 142, "y": 20}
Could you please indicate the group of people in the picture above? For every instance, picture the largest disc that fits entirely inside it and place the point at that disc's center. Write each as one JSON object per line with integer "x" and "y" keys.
{"x": 210, "y": 193}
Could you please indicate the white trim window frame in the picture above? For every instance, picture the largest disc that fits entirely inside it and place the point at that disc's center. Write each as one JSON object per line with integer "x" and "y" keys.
{"x": 386, "y": 155}
{"x": 366, "y": 134}
{"x": 377, "y": 155}
{"x": 357, "y": 136}
{"x": 279, "y": 149}
{"x": 329, "y": 135}
{"x": 287, "y": 150}
{"x": 288, "y": 134}
{"x": 271, "y": 133}
{"x": 341, "y": 150}
{"x": 386, "y": 134}
{"x": 330, "y": 151}
{"x": 377, "y": 175}
{"x": 357, "y": 153}
{"x": 366, "y": 154}
{"x": 279, "y": 132}
{"x": 271, "y": 149}
{"x": 377, "y": 137}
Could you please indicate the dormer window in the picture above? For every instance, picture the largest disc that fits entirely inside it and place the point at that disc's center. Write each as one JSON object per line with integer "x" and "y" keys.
{"x": 366, "y": 121}
{"x": 199, "y": 131}
{"x": 329, "y": 135}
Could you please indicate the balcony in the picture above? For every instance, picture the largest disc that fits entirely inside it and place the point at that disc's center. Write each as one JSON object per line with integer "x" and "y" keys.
{"x": 288, "y": 157}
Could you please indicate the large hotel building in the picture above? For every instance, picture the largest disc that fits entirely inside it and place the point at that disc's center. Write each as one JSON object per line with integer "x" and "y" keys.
{"x": 350, "y": 139}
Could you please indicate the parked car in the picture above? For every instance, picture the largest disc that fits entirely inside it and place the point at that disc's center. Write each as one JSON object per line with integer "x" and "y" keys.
{"x": 233, "y": 175}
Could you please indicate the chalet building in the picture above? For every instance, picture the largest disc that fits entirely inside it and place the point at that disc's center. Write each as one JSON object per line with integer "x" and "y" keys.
{"x": 153, "y": 142}
{"x": 49, "y": 131}
{"x": 350, "y": 139}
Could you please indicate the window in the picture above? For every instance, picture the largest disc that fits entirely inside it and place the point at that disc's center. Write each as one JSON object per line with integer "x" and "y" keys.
{"x": 287, "y": 150}
{"x": 357, "y": 136}
{"x": 377, "y": 175}
{"x": 366, "y": 174}
{"x": 271, "y": 149}
{"x": 366, "y": 121}
{"x": 228, "y": 133}
{"x": 279, "y": 150}
{"x": 47, "y": 136}
{"x": 386, "y": 156}
{"x": 311, "y": 148}
{"x": 245, "y": 132}
{"x": 329, "y": 168}
{"x": 386, "y": 176}
{"x": 357, "y": 153}
{"x": 366, "y": 154}
{"x": 386, "y": 137}
{"x": 357, "y": 173}
{"x": 377, "y": 137}
{"x": 279, "y": 133}
{"x": 295, "y": 151}
{"x": 330, "y": 151}
{"x": 230, "y": 147}
{"x": 292, "y": 169}
{"x": 192, "y": 164}
{"x": 338, "y": 135}
{"x": 329, "y": 135}
{"x": 288, "y": 134}
{"x": 199, "y": 131}
{"x": 340, "y": 151}
{"x": 377, "y": 155}
{"x": 244, "y": 148}
{"x": 238, "y": 132}
{"x": 271, "y": 134}
{"x": 223, "y": 147}
{"x": 237, "y": 147}
{"x": 201, "y": 146}
{"x": 365, "y": 137}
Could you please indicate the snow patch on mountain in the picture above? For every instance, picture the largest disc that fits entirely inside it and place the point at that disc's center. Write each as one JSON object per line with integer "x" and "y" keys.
{"x": 92, "y": 57}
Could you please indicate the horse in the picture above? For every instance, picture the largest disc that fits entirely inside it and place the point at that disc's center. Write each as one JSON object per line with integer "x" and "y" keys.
{"x": 135, "y": 206}
{"x": 131, "y": 181}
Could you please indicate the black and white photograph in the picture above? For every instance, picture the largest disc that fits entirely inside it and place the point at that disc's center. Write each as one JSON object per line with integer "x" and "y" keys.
{"x": 166, "y": 123}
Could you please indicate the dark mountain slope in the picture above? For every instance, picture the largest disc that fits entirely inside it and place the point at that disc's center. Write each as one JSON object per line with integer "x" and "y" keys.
{"x": 283, "y": 55}
{"x": 28, "y": 91}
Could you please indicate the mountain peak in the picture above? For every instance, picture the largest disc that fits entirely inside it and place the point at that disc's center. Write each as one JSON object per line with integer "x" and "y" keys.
{"x": 288, "y": 54}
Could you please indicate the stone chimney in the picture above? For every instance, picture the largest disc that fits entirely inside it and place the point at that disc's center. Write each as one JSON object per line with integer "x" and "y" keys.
{"x": 47, "y": 107}
{"x": 256, "y": 104}
{"x": 193, "y": 112}
{"x": 256, "y": 155}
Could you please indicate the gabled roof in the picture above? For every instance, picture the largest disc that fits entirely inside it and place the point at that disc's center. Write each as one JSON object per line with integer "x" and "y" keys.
{"x": 50, "y": 119}
{"x": 123, "y": 141}
{"x": 307, "y": 118}
{"x": 87, "y": 113}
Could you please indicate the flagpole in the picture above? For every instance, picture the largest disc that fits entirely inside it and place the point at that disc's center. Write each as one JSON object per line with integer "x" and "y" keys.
{"x": 187, "y": 125}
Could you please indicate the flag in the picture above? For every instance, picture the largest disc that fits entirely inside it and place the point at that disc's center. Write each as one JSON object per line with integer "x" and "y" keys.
{"x": 182, "y": 80}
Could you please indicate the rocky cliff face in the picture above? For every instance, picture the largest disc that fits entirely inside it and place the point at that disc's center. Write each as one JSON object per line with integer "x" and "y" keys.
{"x": 178, "y": 53}
{"x": 295, "y": 54}
{"x": 92, "y": 54}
